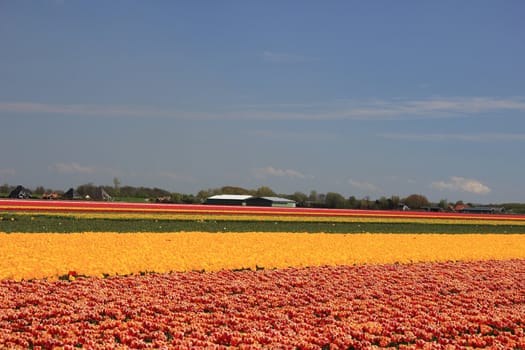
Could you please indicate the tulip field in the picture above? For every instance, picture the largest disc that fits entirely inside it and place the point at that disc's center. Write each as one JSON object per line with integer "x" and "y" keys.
{"x": 98, "y": 275}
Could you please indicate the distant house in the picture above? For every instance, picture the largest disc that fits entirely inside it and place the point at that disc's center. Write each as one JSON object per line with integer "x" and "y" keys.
{"x": 238, "y": 199}
{"x": 95, "y": 193}
{"x": 482, "y": 210}
{"x": 403, "y": 207}
{"x": 71, "y": 194}
{"x": 20, "y": 192}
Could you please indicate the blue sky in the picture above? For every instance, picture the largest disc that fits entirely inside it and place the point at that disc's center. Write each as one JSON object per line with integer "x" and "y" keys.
{"x": 368, "y": 98}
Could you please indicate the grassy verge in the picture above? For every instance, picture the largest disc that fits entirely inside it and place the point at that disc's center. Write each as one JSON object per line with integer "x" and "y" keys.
{"x": 65, "y": 224}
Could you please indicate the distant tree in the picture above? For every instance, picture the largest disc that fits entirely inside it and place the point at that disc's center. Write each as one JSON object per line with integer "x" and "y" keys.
{"x": 334, "y": 200}
{"x": 515, "y": 208}
{"x": 158, "y": 192}
{"x": 264, "y": 191}
{"x": 40, "y": 190}
{"x": 202, "y": 195}
{"x": 6, "y": 189}
{"x": 176, "y": 197}
{"x": 86, "y": 189}
{"x": 234, "y": 190}
{"x": 299, "y": 197}
{"x": 383, "y": 203}
{"x": 443, "y": 204}
{"x": 128, "y": 191}
{"x": 394, "y": 202}
{"x": 116, "y": 186}
{"x": 365, "y": 203}
{"x": 188, "y": 199}
{"x": 416, "y": 201}
{"x": 352, "y": 203}
{"x": 143, "y": 192}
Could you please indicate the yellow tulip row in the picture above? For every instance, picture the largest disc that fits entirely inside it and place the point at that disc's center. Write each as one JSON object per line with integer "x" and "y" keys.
{"x": 50, "y": 255}
{"x": 279, "y": 217}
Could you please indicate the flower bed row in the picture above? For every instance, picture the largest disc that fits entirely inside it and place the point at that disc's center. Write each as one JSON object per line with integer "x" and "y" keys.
{"x": 44, "y": 255}
{"x": 155, "y": 208}
{"x": 199, "y": 217}
{"x": 425, "y": 305}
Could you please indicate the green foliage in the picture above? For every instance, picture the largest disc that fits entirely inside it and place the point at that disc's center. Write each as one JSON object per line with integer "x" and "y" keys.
{"x": 443, "y": 204}
{"x": 5, "y": 189}
{"x": 299, "y": 197}
{"x": 234, "y": 190}
{"x": 264, "y": 191}
{"x": 335, "y": 200}
{"x": 48, "y": 223}
{"x": 515, "y": 208}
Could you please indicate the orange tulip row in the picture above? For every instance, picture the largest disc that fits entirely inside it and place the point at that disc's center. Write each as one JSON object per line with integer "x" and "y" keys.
{"x": 413, "y": 306}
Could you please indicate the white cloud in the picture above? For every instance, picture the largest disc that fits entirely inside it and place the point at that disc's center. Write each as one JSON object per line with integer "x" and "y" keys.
{"x": 430, "y": 108}
{"x": 72, "y": 168}
{"x": 396, "y": 109}
{"x": 269, "y": 171}
{"x": 481, "y": 137}
{"x": 458, "y": 183}
{"x": 363, "y": 185}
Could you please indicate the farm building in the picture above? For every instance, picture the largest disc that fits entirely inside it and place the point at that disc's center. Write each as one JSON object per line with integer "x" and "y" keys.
{"x": 482, "y": 210}
{"x": 270, "y": 202}
{"x": 237, "y": 199}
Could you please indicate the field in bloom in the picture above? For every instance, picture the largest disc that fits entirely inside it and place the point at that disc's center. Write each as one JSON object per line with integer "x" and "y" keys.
{"x": 177, "y": 290}
{"x": 43, "y": 255}
{"x": 155, "y": 208}
{"x": 443, "y": 305}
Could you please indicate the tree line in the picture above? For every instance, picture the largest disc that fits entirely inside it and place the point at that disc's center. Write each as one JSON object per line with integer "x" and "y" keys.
{"x": 314, "y": 199}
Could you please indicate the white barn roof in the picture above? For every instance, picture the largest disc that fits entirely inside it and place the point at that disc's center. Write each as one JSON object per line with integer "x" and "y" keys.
{"x": 237, "y": 197}
{"x": 278, "y": 199}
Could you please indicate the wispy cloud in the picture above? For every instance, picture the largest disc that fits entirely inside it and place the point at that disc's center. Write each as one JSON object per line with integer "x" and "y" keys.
{"x": 270, "y": 171}
{"x": 339, "y": 110}
{"x": 431, "y": 108}
{"x": 481, "y": 137}
{"x": 71, "y": 168}
{"x": 280, "y": 57}
{"x": 363, "y": 185}
{"x": 457, "y": 183}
